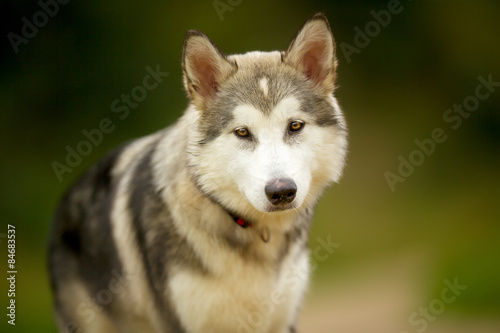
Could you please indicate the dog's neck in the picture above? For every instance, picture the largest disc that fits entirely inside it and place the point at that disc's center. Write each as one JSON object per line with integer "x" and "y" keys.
{"x": 264, "y": 225}
{"x": 265, "y": 234}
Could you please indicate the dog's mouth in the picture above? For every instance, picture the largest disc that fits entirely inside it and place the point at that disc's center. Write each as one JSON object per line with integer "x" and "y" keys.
{"x": 280, "y": 208}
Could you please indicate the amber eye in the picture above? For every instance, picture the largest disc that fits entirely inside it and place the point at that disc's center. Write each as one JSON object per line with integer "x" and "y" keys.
{"x": 296, "y": 125}
{"x": 242, "y": 132}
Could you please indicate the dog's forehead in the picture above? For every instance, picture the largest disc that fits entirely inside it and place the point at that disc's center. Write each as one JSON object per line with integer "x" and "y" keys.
{"x": 263, "y": 80}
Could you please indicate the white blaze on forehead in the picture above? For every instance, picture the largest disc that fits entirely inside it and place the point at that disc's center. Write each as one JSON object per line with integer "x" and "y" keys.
{"x": 263, "y": 85}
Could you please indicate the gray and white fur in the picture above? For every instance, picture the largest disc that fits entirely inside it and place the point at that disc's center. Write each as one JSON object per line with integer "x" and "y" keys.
{"x": 152, "y": 239}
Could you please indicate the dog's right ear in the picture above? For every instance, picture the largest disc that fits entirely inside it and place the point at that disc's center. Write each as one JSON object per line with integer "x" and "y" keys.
{"x": 205, "y": 67}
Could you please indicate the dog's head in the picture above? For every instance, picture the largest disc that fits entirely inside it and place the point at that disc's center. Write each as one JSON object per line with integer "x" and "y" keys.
{"x": 269, "y": 134}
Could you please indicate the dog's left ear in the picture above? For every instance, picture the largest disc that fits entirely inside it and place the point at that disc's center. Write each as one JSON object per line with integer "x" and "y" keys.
{"x": 312, "y": 51}
{"x": 205, "y": 68}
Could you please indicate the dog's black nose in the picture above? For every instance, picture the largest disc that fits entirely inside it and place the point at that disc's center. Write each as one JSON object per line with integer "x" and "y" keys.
{"x": 281, "y": 191}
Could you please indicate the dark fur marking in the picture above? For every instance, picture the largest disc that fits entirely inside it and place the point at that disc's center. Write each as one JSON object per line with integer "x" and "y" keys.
{"x": 142, "y": 192}
{"x": 81, "y": 237}
{"x": 157, "y": 238}
{"x": 322, "y": 111}
{"x": 71, "y": 239}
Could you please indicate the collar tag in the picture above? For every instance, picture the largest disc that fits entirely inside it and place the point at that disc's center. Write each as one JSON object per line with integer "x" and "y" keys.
{"x": 265, "y": 234}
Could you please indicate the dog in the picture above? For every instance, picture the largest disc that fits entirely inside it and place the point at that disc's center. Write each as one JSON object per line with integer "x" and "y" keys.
{"x": 203, "y": 226}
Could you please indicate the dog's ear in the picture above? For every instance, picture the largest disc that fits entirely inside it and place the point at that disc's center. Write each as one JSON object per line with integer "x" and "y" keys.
{"x": 205, "y": 67}
{"x": 312, "y": 51}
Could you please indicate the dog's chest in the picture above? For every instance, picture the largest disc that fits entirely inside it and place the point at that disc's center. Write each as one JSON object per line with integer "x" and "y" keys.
{"x": 247, "y": 297}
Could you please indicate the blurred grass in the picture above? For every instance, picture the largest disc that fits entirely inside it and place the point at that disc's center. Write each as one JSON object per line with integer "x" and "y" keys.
{"x": 395, "y": 91}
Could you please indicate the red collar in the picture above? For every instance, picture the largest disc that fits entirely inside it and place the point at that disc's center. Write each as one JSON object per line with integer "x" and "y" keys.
{"x": 241, "y": 222}
{"x": 264, "y": 232}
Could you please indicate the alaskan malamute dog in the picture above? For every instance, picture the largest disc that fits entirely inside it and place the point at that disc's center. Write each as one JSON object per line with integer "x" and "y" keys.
{"x": 203, "y": 227}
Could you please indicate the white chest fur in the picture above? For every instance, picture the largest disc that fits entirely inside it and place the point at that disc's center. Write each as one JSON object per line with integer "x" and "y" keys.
{"x": 247, "y": 297}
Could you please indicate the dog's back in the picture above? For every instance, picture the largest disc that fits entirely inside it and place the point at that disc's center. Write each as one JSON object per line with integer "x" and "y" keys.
{"x": 82, "y": 255}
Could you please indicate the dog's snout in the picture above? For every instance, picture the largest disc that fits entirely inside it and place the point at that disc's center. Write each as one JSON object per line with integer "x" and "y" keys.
{"x": 281, "y": 191}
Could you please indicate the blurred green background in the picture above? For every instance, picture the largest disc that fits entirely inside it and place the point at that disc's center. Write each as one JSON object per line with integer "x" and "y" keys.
{"x": 396, "y": 247}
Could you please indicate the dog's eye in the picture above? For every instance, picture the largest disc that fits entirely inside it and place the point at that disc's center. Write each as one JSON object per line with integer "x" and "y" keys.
{"x": 242, "y": 132}
{"x": 296, "y": 125}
